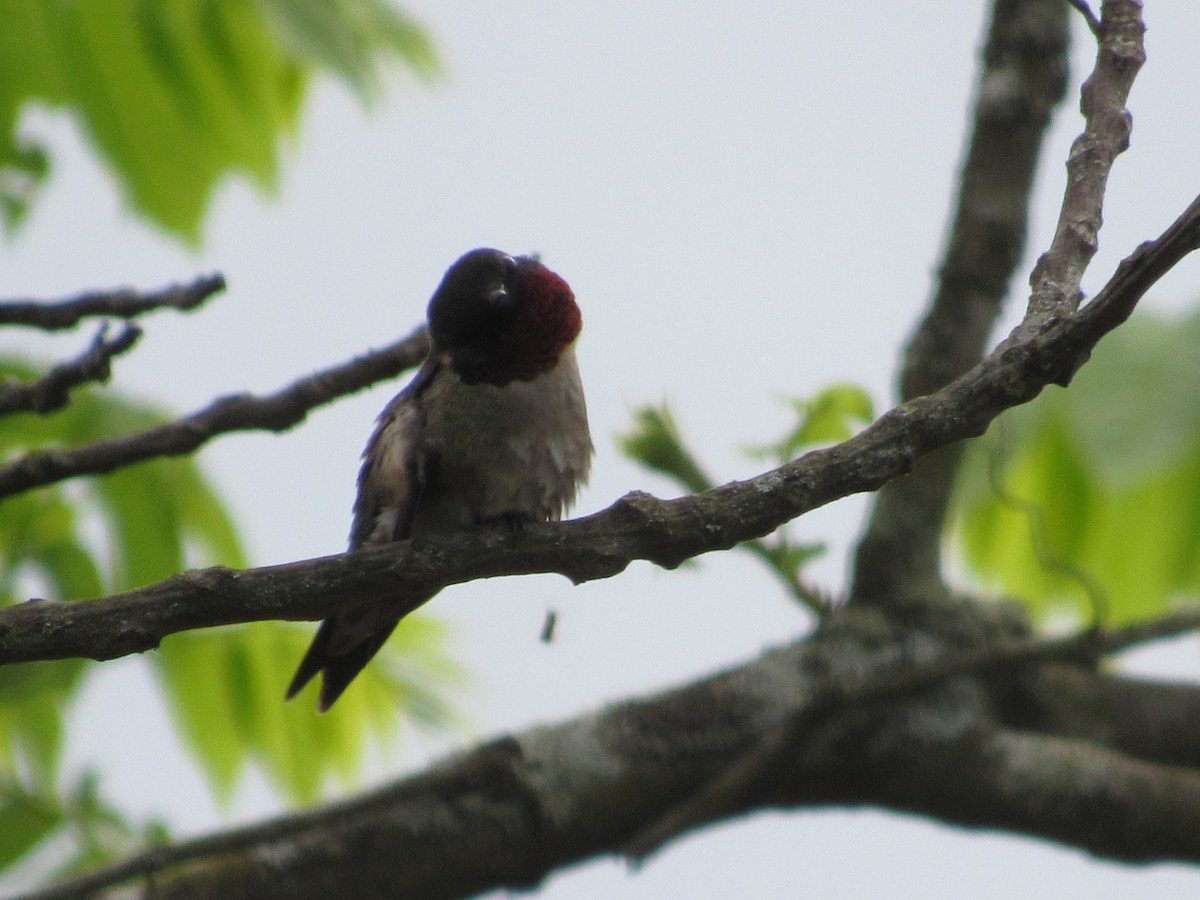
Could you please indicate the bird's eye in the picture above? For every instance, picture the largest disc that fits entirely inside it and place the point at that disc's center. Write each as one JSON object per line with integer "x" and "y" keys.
{"x": 498, "y": 294}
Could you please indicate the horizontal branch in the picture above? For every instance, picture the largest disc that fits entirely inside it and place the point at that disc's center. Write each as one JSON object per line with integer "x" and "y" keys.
{"x": 740, "y": 783}
{"x": 242, "y": 412}
{"x": 1067, "y": 791}
{"x": 52, "y": 390}
{"x": 123, "y": 303}
{"x": 638, "y": 527}
{"x": 1149, "y": 719}
{"x": 509, "y": 812}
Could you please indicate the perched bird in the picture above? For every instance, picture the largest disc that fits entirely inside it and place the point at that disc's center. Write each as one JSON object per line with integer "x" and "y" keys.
{"x": 492, "y": 429}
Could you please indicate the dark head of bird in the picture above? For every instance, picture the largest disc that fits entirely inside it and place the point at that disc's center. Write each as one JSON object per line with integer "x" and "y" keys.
{"x": 497, "y": 318}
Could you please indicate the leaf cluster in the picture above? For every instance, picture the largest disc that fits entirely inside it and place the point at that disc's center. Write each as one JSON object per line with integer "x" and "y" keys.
{"x": 831, "y": 415}
{"x": 176, "y": 95}
{"x": 1093, "y": 494}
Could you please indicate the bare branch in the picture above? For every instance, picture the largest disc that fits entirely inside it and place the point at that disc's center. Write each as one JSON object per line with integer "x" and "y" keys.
{"x": 900, "y": 554}
{"x": 636, "y": 527}
{"x": 507, "y": 813}
{"x": 741, "y": 784}
{"x": 1022, "y": 78}
{"x": 124, "y": 303}
{"x": 1062, "y": 790}
{"x": 242, "y": 412}
{"x": 1059, "y": 272}
{"x": 52, "y": 390}
{"x": 1149, "y": 719}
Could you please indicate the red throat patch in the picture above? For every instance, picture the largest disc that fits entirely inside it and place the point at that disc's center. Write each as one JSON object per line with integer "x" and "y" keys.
{"x": 547, "y": 322}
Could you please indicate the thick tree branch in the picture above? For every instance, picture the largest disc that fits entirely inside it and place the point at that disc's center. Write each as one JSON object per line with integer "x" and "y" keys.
{"x": 1023, "y": 77}
{"x": 1148, "y": 719}
{"x": 1066, "y": 791}
{"x": 740, "y": 785}
{"x": 242, "y": 412}
{"x": 636, "y": 527}
{"x": 509, "y": 812}
{"x": 124, "y": 303}
{"x": 52, "y": 390}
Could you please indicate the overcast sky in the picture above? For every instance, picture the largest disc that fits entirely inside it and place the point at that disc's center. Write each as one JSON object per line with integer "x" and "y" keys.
{"x": 748, "y": 200}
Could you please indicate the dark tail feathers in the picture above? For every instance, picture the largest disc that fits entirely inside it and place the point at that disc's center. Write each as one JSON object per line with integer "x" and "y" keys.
{"x": 337, "y": 671}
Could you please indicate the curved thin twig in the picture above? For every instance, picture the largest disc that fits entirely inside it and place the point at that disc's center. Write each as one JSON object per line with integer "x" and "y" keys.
{"x": 52, "y": 390}
{"x": 123, "y": 303}
{"x": 280, "y": 411}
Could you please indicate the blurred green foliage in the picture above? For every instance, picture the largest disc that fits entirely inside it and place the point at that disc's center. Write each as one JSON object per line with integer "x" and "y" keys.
{"x": 224, "y": 687}
{"x": 1095, "y": 485}
{"x": 174, "y": 95}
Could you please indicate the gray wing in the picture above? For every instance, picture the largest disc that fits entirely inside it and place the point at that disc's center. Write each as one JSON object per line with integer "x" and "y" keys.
{"x": 394, "y": 469}
{"x": 390, "y": 485}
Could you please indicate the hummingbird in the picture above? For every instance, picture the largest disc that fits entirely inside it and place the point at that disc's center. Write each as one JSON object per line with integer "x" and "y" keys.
{"x": 492, "y": 429}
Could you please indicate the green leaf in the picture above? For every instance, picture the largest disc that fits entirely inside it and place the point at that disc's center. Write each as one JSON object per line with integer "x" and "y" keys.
{"x": 100, "y": 832}
{"x": 38, "y": 542}
{"x": 198, "y": 679}
{"x": 150, "y": 513}
{"x": 25, "y": 821}
{"x": 656, "y": 443}
{"x": 350, "y": 37}
{"x": 825, "y": 418}
{"x": 176, "y": 94}
{"x": 227, "y": 685}
{"x": 1097, "y": 485}
{"x": 82, "y": 825}
{"x": 1135, "y": 409}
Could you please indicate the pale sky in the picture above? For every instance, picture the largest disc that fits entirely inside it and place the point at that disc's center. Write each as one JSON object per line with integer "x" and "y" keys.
{"x": 749, "y": 201}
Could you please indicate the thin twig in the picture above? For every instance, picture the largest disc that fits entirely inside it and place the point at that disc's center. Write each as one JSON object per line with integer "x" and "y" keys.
{"x": 280, "y": 411}
{"x": 1093, "y": 21}
{"x": 1059, "y": 272}
{"x": 123, "y": 303}
{"x": 52, "y": 390}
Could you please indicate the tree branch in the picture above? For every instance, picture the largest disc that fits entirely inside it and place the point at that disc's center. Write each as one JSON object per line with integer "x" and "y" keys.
{"x": 1093, "y": 23}
{"x": 740, "y": 785}
{"x": 124, "y": 303}
{"x": 509, "y": 812}
{"x": 52, "y": 390}
{"x": 242, "y": 412}
{"x": 1148, "y": 719}
{"x": 1023, "y": 77}
{"x": 1059, "y": 271}
{"x": 636, "y": 527}
{"x": 1066, "y": 791}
